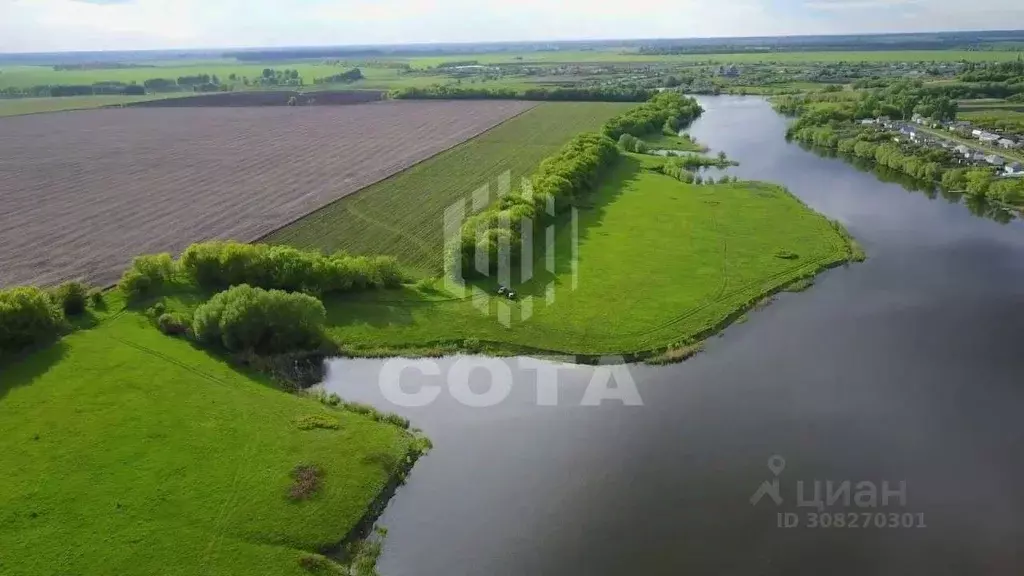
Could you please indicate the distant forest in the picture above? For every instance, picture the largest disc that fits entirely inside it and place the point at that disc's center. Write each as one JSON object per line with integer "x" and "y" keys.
{"x": 992, "y": 40}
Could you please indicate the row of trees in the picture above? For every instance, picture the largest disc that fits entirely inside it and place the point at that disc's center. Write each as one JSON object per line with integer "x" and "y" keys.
{"x": 558, "y": 182}
{"x": 994, "y": 71}
{"x": 344, "y": 77}
{"x": 926, "y": 164}
{"x": 218, "y": 265}
{"x": 59, "y": 90}
{"x": 451, "y": 92}
{"x": 664, "y": 111}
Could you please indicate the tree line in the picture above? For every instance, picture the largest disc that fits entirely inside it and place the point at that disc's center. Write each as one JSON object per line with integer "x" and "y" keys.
{"x": 450, "y": 92}
{"x": 932, "y": 165}
{"x": 344, "y": 77}
{"x": 560, "y": 181}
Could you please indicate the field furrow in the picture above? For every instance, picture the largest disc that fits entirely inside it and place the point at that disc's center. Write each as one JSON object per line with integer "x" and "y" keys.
{"x": 83, "y": 192}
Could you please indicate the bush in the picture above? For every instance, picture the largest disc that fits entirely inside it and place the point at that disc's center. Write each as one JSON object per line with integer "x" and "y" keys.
{"x": 28, "y": 317}
{"x": 71, "y": 297}
{"x": 147, "y": 274}
{"x": 96, "y": 297}
{"x": 244, "y": 318}
{"x": 224, "y": 264}
{"x": 172, "y": 324}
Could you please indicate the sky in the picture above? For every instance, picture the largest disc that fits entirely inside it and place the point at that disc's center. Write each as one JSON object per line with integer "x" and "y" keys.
{"x": 63, "y": 25}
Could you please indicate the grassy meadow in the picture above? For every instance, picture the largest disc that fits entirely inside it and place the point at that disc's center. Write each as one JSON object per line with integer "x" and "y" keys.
{"x": 21, "y": 106}
{"x": 129, "y": 452}
{"x": 403, "y": 216}
{"x": 660, "y": 263}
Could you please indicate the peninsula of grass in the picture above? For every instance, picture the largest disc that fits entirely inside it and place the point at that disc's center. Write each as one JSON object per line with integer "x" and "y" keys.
{"x": 129, "y": 452}
{"x": 662, "y": 141}
{"x": 661, "y": 264}
{"x": 403, "y": 216}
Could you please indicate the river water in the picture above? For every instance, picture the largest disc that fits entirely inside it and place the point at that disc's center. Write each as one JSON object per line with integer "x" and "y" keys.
{"x": 906, "y": 368}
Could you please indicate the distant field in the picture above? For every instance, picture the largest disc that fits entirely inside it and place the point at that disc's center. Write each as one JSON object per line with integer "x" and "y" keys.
{"x": 404, "y": 215}
{"x": 997, "y": 106}
{"x": 791, "y": 57}
{"x": 20, "y": 106}
{"x": 375, "y": 78}
{"x": 1005, "y": 118}
{"x": 84, "y": 192}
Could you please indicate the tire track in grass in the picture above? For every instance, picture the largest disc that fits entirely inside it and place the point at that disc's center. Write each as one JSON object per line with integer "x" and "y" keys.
{"x": 224, "y": 514}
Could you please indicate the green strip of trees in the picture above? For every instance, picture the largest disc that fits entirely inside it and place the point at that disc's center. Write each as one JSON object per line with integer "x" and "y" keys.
{"x": 559, "y": 182}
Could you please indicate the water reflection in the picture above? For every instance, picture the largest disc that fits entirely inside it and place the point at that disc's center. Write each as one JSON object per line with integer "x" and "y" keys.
{"x": 977, "y": 206}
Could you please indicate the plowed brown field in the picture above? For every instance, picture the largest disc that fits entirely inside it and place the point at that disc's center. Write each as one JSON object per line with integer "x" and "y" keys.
{"x": 81, "y": 193}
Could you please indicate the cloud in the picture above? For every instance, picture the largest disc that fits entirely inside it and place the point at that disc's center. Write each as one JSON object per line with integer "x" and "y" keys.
{"x": 56, "y": 25}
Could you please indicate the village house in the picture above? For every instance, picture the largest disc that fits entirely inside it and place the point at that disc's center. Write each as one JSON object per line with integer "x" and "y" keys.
{"x": 963, "y": 151}
{"x": 988, "y": 138}
{"x": 994, "y": 160}
{"x": 1007, "y": 143}
{"x": 976, "y": 133}
{"x": 1013, "y": 169}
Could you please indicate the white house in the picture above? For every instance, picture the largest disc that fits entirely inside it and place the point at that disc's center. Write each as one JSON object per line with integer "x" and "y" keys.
{"x": 1012, "y": 169}
{"x": 867, "y": 121}
{"x": 1006, "y": 143}
{"x": 963, "y": 151}
{"x": 989, "y": 138}
{"x": 976, "y": 133}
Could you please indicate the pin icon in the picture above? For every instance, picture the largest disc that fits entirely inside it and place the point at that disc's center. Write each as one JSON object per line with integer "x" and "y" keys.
{"x": 776, "y": 464}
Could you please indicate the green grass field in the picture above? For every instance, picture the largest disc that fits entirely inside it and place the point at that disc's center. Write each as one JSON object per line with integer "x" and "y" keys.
{"x": 668, "y": 142}
{"x": 20, "y": 106}
{"x": 660, "y": 262}
{"x": 404, "y": 215}
{"x": 1004, "y": 118}
{"x": 125, "y": 451}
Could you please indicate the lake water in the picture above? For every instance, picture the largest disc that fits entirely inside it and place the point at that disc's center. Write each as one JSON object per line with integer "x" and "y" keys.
{"x": 908, "y": 367}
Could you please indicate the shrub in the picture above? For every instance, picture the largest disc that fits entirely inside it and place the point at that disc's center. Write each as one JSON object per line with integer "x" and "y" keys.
{"x": 321, "y": 421}
{"x": 172, "y": 324}
{"x": 225, "y": 264}
{"x": 96, "y": 297}
{"x": 786, "y": 255}
{"x": 244, "y": 318}
{"x": 71, "y": 297}
{"x": 317, "y": 564}
{"x": 28, "y": 316}
{"x": 147, "y": 274}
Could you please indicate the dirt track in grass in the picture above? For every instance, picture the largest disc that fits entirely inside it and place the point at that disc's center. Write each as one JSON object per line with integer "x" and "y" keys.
{"x": 81, "y": 193}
